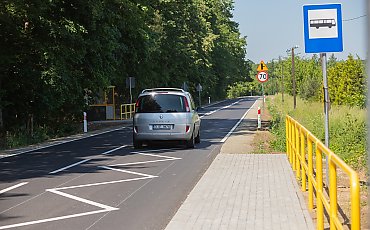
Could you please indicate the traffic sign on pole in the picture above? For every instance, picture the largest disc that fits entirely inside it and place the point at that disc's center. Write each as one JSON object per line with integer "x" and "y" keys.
{"x": 323, "y": 28}
{"x": 262, "y": 66}
{"x": 262, "y": 76}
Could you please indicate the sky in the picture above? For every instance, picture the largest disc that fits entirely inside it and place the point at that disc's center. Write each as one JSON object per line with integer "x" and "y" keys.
{"x": 272, "y": 27}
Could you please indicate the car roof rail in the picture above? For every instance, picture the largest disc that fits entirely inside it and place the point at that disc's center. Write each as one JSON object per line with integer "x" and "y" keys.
{"x": 163, "y": 90}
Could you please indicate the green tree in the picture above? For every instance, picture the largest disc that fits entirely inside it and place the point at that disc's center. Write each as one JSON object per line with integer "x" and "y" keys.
{"x": 347, "y": 82}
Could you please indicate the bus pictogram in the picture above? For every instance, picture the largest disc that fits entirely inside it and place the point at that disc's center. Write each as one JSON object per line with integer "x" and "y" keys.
{"x": 322, "y": 23}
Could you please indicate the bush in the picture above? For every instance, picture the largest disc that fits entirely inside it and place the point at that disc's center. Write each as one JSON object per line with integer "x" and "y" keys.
{"x": 347, "y": 127}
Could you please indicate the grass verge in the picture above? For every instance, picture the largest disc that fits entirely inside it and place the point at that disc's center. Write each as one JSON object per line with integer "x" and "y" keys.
{"x": 347, "y": 129}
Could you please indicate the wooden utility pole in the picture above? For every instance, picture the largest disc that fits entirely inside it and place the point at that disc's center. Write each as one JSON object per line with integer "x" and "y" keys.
{"x": 293, "y": 76}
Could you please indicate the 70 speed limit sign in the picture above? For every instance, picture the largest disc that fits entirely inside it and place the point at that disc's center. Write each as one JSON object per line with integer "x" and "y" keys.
{"x": 262, "y": 76}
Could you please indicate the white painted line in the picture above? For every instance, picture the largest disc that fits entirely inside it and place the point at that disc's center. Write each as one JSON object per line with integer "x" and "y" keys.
{"x": 51, "y": 219}
{"x": 69, "y": 166}
{"x": 154, "y": 155}
{"x": 236, "y": 125}
{"x": 155, "y": 150}
{"x": 225, "y": 107}
{"x": 167, "y": 158}
{"x": 60, "y": 143}
{"x": 105, "y": 183}
{"x": 90, "y": 202}
{"x": 130, "y": 172}
{"x": 143, "y": 162}
{"x": 13, "y": 187}
{"x": 110, "y": 151}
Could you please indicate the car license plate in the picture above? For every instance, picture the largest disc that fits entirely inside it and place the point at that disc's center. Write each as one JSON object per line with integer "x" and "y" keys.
{"x": 162, "y": 127}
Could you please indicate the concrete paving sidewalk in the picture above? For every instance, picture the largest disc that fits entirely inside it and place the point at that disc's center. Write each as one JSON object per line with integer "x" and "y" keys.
{"x": 244, "y": 191}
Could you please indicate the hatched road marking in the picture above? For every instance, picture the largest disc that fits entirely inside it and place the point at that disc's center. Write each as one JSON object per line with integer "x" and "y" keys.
{"x": 103, "y": 207}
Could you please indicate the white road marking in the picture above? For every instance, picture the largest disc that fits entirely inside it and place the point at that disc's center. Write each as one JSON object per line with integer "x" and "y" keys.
{"x": 104, "y": 183}
{"x": 155, "y": 155}
{"x": 236, "y": 125}
{"x": 83, "y": 161}
{"x": 93, "y": 203}
{"x": 143, "y": 162}
{"x": 110, "y": 151}
{"x": 59, "y": 143}
{"x": 69, "y": 166}
{"x": 167, "y": 158}
{"x": 155, "y": 150}
{"x": 130, "y": 172}
{"x": 13, "y": 187}
{"x": 51, "y": 219}
{"x": 104, "y": 208}
{"x": 225, "y": 107}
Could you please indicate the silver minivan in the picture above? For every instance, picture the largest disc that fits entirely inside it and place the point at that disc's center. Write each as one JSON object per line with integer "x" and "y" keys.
{"x": 165, "y": 114}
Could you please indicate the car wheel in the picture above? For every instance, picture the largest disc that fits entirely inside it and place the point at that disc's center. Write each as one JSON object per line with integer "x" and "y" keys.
{"x": 137, "y": 144}
{"x": 191, "y": 142}
{"x": 197, "y": 138}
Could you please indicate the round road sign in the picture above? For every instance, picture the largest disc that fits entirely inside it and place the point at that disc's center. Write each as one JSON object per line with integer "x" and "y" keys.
{"x": 262, "y": 76}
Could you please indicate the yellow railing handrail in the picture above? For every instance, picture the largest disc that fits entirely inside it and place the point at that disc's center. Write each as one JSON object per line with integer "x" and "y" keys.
{"x": 127, "y": 111}
{"x": 301, "y": 153}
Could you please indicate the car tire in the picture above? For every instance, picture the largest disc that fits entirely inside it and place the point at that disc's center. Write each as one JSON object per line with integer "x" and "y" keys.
{"x": 197, "y": 138}
{"x": 137, "y": 144}
{"x": 191, "y": 142}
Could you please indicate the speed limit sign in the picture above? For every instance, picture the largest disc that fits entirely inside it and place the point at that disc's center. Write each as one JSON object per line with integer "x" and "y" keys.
{"x": 262, "y": 76}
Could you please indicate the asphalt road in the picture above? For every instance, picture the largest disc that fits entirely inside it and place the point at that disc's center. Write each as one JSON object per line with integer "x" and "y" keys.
{"x": 101, "y": 182}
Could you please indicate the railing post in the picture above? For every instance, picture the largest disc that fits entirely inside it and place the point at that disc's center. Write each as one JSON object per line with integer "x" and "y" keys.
{"x": 287, "y": 135}
{"x": 294, "y": 147}
{"x": 310, "y": 173}
{"x": 291, "y": 142}
{"x": 319, "y": 192}
{"x": 355, "y": 202}
{"x": 126, "y": 111}
{"x": 332, "y": 192}
{"x": 297, "y": 153}
{"x": 303, "y": 161}
{"x": 121, "y": 112}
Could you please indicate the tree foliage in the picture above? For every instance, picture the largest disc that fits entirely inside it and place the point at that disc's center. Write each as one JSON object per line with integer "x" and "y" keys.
{"x": 53, "y": 52}
{"x": 346, "y": 79}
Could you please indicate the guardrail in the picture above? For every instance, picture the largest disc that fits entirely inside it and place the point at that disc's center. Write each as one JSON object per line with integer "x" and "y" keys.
{"x": 300, "y": 144}
{"x": 127, "y": 111}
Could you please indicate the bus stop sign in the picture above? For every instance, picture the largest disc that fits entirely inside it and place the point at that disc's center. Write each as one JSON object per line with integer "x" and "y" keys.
{"x": 323, "y": 28}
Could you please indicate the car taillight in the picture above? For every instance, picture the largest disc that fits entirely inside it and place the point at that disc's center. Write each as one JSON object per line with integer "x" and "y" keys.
{"x": 137, "y": 104}
{"x": 187, "y": 108}
{"x": 187, "y": 128}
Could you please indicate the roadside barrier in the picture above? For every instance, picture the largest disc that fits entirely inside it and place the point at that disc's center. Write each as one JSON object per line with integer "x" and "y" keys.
{"x": 300, "y": 144}
{"x": 127, "y": 111}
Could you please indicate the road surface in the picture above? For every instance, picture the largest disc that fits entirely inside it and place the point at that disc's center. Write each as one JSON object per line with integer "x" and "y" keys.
{"x": 101, "y": 182}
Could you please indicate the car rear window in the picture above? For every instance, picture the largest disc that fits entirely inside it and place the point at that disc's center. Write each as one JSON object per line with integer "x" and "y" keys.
{"x": 161, "y": 103}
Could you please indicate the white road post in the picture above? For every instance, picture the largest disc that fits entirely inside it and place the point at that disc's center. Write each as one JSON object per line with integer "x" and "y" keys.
{"x": 259, "y": 118}
{"x": 85, "y": 122}
{"x": 209, "y": 100}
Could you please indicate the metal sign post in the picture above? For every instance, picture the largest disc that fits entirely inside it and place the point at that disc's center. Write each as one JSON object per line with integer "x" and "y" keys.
{"x": 130, "y": 90}
{"x": 199, "y": 89}
{"x": 322, "y": 34}
{"x": 130, "y": 83}
{"x": 326, "y": 108}
{"x": 262, "y": 76}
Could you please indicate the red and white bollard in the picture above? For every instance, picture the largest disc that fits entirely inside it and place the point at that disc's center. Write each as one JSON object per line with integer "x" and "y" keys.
{"x": 85, "y": 122}
{"x": 259, "y": 118}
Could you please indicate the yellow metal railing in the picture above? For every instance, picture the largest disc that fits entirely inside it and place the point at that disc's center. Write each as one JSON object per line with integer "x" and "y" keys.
{"x": 127, "y": 111}
{"x": 300, "y": 143}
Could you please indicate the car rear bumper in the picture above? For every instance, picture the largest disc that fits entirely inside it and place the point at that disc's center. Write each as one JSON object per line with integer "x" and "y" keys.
{"x": 162, "y": 136}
